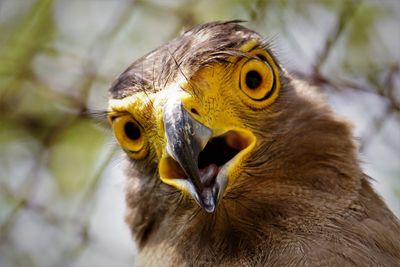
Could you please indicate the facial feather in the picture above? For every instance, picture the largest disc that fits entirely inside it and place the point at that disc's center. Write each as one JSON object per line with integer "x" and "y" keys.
{"x": 298, "y": 195}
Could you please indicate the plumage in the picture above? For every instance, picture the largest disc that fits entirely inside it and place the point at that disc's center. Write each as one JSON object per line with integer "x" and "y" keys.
{"x": 295, "y": 192}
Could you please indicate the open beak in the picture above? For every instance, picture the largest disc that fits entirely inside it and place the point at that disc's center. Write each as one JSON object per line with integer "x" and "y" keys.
{"x": 196, "y": 162}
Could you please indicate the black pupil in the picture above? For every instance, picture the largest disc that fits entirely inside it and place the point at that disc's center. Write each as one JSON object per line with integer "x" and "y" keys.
{"x": 132, "y": 131}
{"x": 253, "y": 79}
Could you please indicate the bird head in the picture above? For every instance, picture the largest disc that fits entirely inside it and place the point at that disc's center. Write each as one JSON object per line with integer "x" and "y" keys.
{"x": 203, "y": 109}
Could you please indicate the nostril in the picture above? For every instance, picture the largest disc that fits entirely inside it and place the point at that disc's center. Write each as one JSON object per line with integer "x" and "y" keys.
{"x": 194, "y": 111}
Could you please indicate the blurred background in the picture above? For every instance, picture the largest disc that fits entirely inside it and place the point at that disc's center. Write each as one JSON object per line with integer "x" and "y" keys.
{"x": 61, "y": 186}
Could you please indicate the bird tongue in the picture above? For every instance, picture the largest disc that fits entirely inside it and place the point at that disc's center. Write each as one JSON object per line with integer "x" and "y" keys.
{"x": 210, "y": 188}
{"x": 208, "y": 174}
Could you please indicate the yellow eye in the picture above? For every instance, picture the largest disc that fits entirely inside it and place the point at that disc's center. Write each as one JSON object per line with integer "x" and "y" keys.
{"x": 130, "y": 136}
{"x": 259, "y": 80}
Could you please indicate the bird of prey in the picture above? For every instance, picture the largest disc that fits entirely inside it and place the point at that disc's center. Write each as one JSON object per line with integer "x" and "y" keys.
{"x": 231, "y": 161}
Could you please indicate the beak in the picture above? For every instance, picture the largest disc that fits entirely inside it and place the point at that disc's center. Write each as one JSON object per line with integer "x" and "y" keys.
{"x": 186, "y": 138}
{"x": 198, "y": 160}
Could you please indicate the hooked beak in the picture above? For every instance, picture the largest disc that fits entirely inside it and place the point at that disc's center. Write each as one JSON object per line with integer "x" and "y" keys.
{"x": 196, "y": 162}
{"x": 186, "y": 138}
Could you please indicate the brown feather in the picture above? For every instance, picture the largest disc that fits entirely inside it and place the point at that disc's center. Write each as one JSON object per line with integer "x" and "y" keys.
{"x": 302, "y": 199}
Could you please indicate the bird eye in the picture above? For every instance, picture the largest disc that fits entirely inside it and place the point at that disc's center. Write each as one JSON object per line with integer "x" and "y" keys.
{"x": 132, "y": 131}
{"x": 253, "y": 79}
{"x": 130, "y": 136}
{"x": 259, "y": 81}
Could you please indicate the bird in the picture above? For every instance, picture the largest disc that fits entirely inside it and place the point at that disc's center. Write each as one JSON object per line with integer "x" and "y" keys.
{"x": 233, "y": 161}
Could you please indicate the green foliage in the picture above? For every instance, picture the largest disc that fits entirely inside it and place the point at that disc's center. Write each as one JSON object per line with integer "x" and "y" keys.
{"x": 28, "y": 36}
{"x": 74, "y": 157}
